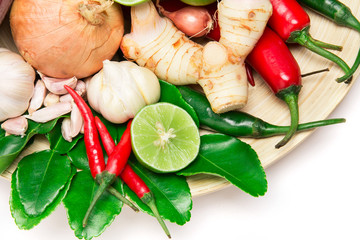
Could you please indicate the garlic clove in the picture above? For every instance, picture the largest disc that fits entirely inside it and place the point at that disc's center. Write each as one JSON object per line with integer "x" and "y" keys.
{"x": 56, "y": 85}
{"x": 94, "y": 88}
{"x": 15, "y": 126}
{"x": 147, "y": 83}
{"x": 38, "y": 96}
{"x": 66, "y": 129}
{"x": 113, "y": 108}
{"x": 124, "y": 93}
{"x": 82, "y": 129}
{"x": 76, "y": 120}
{"x": 49, "y": 113}
{"x": 80, "y": 88}
{"x": 51, "y": 99}
{"x": 65, "y": 98}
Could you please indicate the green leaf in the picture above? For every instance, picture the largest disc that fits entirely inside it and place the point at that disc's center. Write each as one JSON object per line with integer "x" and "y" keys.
{"x": 24, "y": 221}
{"x": 232, "y": 159}
{"x": 2, "y": 132}
{"x": 120, "y": 130}
{"x": 170, "y": 94}
{"x": 77, "y": 202}
{"x": 40, "y": 178}
{"x": 11, "y": 146}
{"x": 78, "y": 156}
{"x": 57, "y": 141}
{"x": 172, "y": 193}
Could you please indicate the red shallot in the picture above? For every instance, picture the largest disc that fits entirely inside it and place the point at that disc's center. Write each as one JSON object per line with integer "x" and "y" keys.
{"x": 191, "y": 20}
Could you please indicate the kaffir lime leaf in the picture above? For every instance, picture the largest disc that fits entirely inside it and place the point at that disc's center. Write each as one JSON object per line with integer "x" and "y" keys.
{"x": 164, "y": 137}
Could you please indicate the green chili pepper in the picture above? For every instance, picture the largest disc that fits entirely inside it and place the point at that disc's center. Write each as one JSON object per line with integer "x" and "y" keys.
{"x": 240, "y": 124}
{"x": 340, "y": 14}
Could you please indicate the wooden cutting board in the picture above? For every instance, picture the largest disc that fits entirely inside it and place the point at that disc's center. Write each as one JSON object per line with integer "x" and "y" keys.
{"x": 319, "y": 96}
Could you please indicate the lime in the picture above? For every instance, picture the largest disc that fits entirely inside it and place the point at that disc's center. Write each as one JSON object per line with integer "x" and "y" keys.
{"x": 164, "y": 137}
{"x": 130, "y": 2}
{"x": 198, "y": 2}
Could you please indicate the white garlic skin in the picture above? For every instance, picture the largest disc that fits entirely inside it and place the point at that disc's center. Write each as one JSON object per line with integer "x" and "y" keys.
{"x": 16, "y": 84}
{"x": 121, "y": 89}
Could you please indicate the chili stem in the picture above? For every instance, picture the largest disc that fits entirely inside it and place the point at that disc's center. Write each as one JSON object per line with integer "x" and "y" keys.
{"x": 353, "y": 69}
{"x": 114, "y": 192}
{"x": 106, "y": 179}
{"x": 303, "y": 38}
{"x": 102, "y": 187}
{"x": 325, "y": 45}
{"x": 291, "y": 100}
{"x": 340, "y": 14}
{"x": 272, "y": 130}
{"x": 149, "y": 200}
{"x": 314, "y": 72}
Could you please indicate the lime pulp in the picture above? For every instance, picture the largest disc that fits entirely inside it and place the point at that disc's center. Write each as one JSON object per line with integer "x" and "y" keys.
{"x": 130, "y": 2}
{"x": 198, "y": 2}
{"x": 164, "y": 137}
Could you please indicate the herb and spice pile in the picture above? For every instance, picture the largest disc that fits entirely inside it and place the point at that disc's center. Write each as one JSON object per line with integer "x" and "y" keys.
{"x": 121, "y": 89}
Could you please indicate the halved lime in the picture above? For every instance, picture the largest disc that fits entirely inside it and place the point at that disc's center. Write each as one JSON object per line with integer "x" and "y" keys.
{"x": 164, "y": 137}
{"x": 198, "y": 2}
{"x": 130, "y": 2}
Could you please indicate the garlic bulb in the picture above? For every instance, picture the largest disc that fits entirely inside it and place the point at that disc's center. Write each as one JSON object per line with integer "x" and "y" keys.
{"x": 16, "y": 84}
{"x": 121, "y": 89}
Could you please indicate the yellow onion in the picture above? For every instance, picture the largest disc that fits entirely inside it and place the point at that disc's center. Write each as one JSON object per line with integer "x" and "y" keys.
{"x": 66, "y": 38}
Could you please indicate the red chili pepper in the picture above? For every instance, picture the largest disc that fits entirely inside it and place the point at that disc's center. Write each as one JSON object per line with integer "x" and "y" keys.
{"x": 290, "y": 21}
{"x": 93, "y": 147}
{"x": 214, "y": 33}
{"x": 131, "y": 179}
{"x": 115, "y": 165}
{"x": 249, "y": 74}
{"x": 272, "y": 59}
{"x": 91, "y": 138}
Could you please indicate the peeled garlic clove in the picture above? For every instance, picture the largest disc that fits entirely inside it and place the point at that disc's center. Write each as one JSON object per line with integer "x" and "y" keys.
{"x": 49, "y": 113}
{"x": 66, "y": 98}
{"x": 76, "y": 120}
{"x": 56, "y": 85}
{"x": 51, "y": 99}
{"x": 38, "y": 96}
{"x": 15, "y": 126}
{"x": 80, "y": 88}
{"x": 66, "y": 129}
{"x": 82, "y": 128}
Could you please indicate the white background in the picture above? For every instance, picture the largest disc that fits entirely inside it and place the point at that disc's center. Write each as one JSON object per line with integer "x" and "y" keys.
{"x": 313, "y": 193}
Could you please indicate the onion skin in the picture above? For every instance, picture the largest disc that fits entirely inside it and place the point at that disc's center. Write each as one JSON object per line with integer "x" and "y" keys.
{"x": 58, "y": 41}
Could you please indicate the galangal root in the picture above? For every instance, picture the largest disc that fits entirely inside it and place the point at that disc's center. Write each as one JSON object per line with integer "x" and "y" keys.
{"x": 155, "y": 43}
